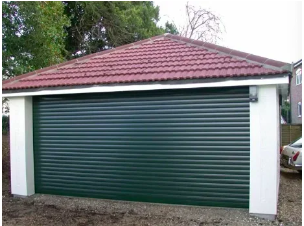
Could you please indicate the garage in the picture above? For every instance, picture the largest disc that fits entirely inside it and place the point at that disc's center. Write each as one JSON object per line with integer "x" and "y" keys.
{"x": 181, "y": 146}
{"x": 164, "y": 120}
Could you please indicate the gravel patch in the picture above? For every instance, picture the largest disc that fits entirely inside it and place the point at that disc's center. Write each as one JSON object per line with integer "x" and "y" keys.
{"x": 290, "y": 197}
{"x": 59, "y": 210}
{"x": 56, "y": 210}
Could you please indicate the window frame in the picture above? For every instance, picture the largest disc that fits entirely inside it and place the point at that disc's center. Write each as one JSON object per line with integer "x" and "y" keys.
{"x": 299, "y": 108}
{"x": 299, "y": 78}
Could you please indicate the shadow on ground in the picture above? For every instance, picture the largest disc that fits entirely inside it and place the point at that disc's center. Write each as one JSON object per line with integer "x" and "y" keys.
{"x": 291, "y": 174}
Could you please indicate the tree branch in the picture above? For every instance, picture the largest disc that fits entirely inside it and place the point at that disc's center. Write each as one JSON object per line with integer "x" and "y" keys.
{"x": 201, "y": 24}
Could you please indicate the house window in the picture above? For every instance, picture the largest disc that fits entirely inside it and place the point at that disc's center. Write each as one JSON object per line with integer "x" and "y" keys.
{"x": 299, "y": 109}
{"x": 299, "y": 76}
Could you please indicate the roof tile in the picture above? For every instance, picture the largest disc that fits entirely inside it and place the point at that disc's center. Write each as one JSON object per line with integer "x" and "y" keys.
{"x": 160, "y": 58}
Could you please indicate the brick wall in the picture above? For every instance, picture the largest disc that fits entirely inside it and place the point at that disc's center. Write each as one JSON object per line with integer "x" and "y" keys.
{"x": 295, "y": 97}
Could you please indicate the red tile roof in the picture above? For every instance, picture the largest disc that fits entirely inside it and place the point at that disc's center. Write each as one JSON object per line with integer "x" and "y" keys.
{"x": 161, "y": 58}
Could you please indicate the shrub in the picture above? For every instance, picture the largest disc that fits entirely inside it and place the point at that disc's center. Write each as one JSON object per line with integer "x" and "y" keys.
{"x": 5, "y": 124}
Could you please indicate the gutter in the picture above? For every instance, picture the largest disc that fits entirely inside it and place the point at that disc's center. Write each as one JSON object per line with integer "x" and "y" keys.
{"x": 283, "y": 79}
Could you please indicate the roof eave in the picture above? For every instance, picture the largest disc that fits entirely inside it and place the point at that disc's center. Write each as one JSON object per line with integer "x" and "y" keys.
{"x": 172, "y": 84}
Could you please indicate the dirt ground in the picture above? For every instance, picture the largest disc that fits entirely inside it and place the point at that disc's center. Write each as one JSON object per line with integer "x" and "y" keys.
{"x": 57, "y": 210}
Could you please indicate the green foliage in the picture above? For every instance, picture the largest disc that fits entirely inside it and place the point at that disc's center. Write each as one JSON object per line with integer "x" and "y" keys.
{"x": 5, "y": 105}
{"x": 5, "y": 124}
{"x": 285, "y": 111}
{"x": 40, "y": 34}
{"x": 33, "y": 36}
{"x": 99, "y": 25}
{"x": 171, "y": 28}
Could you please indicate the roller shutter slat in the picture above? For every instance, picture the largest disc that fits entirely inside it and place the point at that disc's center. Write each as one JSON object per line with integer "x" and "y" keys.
{"x": 187, "y": 146}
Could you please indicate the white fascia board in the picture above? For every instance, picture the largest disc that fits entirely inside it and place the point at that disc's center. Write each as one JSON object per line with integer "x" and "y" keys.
{"x": 142, "y": 87}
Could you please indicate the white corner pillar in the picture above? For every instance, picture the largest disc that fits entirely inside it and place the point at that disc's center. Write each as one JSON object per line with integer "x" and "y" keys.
{"x": 264, "y": 153}
{"x": 21, "y": 146}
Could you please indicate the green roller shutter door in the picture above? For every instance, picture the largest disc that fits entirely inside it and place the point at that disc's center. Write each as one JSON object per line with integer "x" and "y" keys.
{"x": 187, "y": 146}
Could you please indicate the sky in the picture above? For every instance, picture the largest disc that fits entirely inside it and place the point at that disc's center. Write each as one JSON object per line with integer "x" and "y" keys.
{"x": 271, "y": 29}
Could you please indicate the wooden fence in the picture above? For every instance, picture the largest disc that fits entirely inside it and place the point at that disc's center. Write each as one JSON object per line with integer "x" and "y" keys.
{"x": 290, "y": 133}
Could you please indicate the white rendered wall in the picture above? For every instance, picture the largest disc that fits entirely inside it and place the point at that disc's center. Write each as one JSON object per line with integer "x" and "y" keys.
{"x": 278, "y": 145}
{"x": 264, "y": 149}
{"x": 21, "y": 146}
{"x": 264, "y": 152}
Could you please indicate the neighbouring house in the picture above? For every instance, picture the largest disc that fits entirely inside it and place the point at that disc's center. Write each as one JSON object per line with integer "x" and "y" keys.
{"x": 166, "y": 120}
{"x": 296, "y": 93}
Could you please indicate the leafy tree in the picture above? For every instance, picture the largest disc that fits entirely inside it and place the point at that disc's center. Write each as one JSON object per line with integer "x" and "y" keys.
{"x": 32, "y": 36}
{"x": 171, "y": 28}
{"x": 40, "y": 34}
{"x": 97, "y": 25}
